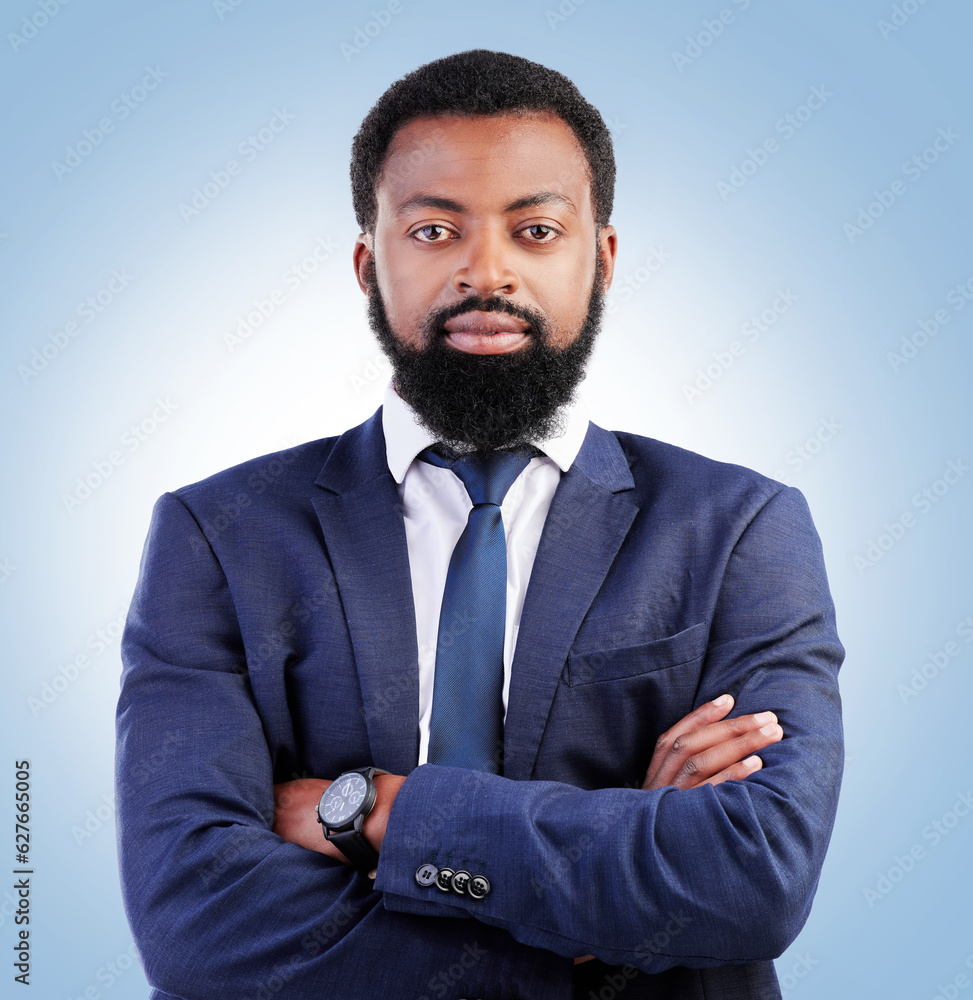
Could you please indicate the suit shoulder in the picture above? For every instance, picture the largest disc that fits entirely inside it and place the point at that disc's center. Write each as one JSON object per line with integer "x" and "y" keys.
{"x": 278, "y": 474}
{"x": 656, "y": 464}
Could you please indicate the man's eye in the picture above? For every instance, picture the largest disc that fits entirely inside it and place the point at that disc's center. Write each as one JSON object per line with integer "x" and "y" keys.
{"x": 541, "y": 234}
{"x": 432, "y": 234}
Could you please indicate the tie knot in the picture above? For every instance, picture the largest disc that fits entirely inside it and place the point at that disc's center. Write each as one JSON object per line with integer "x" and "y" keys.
{"x": 487, "y": 475}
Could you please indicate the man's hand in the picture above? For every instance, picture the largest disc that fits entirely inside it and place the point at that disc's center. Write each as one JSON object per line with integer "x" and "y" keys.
{"x": 296, "y": 813}
{"x": 701, "y": 749}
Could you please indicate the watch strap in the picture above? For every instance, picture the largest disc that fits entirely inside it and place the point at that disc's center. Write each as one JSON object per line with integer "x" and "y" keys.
{"x": 355, "y": 848}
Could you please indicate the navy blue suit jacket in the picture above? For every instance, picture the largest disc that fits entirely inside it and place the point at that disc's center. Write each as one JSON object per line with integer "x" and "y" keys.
{"x": 272, "y": 635}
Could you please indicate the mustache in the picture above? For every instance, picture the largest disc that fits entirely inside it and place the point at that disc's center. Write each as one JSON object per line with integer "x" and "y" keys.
{"x": 537, "y": 326}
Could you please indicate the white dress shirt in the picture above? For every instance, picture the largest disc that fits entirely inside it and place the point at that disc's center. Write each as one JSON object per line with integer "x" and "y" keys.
{"x": 436, "y": 507}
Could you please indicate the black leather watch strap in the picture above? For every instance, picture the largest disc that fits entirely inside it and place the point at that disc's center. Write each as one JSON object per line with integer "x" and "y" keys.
{"x": 355, "y": 848}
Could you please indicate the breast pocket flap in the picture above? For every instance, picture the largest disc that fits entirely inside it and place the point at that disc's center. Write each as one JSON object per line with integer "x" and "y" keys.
{"x": 599, "y": 665}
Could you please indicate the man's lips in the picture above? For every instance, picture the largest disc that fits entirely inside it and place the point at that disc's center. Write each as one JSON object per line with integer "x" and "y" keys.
{"x": 478, "y": 332}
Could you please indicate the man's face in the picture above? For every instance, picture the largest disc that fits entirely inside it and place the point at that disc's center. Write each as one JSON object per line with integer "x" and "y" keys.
{"x": 485, "y": 272}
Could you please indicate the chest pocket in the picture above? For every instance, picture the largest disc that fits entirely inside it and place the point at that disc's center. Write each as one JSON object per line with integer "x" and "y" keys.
{"x": 612, "y": 663}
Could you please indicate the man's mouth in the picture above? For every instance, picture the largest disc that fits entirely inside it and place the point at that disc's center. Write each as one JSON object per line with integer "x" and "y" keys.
{"x": 478, "y": 332}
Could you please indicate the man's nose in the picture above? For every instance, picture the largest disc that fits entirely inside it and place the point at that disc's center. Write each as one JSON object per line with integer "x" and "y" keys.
{"x": 486, "y": 267}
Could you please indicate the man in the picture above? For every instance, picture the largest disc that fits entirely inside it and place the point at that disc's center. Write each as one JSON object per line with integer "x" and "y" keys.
{"x": 569, "y": 808}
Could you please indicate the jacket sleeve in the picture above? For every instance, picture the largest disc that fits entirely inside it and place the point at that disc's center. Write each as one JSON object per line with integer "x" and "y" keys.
{"x": 700, "y": 877}
{"x": 219, "y": 905}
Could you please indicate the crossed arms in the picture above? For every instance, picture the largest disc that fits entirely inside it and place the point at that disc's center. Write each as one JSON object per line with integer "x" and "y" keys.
{"x": 203, "y": 724}
{"x": 702, "y": 748}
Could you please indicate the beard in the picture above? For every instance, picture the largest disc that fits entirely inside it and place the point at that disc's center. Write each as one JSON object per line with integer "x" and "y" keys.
{"x": 477, "y": 402}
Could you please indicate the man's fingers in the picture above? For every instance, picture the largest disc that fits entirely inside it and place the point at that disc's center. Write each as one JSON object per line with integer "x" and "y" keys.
{"x": 684, "y": 759}
{"x": 738, "y": 771}
{"x": 705, "y": 715}
{"x": 698, "y": 768}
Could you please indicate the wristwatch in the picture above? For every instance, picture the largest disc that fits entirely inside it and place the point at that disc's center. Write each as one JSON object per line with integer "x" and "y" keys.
{"x": 342, "y": 811}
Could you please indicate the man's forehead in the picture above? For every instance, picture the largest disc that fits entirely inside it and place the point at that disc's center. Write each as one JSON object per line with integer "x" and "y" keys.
{"x": 534, "y": 155}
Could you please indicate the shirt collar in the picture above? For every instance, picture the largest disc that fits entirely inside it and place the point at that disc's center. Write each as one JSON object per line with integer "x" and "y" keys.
{"x": 405, "y": 436}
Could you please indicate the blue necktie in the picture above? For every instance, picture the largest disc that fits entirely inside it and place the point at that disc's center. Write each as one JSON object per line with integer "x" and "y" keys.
{"x": 467, "y": 702}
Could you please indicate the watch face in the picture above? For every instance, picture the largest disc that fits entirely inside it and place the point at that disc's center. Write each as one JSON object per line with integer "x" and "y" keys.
{"x": 343, "y": 799}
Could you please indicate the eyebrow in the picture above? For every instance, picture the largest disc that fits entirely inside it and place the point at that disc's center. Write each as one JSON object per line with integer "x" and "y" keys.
{"x": 542, "y": 198}
{"x": 448, "y": 205}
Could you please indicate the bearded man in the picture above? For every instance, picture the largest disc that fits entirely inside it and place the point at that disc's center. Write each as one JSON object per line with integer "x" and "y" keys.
{"x": 468, "y": 701}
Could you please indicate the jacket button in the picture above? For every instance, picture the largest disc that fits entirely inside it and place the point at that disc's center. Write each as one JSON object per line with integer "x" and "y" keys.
{"x": 444, "y": 879}
{"x": 478, "y": 886}
{"x": 459, "y": 881}
{"x": 426, "y": 875}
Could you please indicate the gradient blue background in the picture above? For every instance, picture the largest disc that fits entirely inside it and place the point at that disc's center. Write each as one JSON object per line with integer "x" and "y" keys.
{"x": 821, "y": 371}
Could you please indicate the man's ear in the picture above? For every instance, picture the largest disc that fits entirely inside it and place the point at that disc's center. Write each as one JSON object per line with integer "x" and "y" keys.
{"x": 361, "y": 256}
{"x": 608, "y": 248}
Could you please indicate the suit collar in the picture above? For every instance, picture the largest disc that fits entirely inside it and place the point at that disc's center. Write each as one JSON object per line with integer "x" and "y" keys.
{"x": 602, "y": 461}
{"x": 357, "y": 458}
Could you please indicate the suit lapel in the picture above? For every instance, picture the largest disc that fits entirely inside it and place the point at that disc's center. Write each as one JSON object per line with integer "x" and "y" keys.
{"x": 589, "y": 517}
{"x": 361, "y": 516}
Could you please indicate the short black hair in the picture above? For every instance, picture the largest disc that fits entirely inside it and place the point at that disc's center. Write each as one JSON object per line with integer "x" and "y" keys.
{"x": 479, "y": 82}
